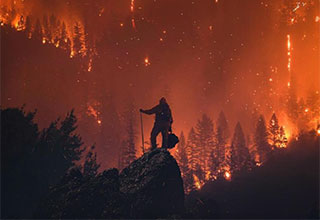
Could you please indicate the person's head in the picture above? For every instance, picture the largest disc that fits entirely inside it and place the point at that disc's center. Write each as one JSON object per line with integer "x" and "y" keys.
{"x": 163, "y": 101}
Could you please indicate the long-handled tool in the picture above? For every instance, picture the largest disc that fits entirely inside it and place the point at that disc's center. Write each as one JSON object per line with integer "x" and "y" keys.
{"x": 142, "y": 132}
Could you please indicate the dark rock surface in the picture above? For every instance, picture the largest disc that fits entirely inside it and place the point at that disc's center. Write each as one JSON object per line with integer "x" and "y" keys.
{"x": 151, "y": 187}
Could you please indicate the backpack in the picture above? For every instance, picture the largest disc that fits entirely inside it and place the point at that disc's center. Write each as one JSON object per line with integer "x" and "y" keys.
{"x": 172, "y": 140}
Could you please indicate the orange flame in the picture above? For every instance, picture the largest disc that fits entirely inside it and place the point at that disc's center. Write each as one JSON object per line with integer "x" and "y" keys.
{"x": 289, "y": 48}
{"x": 227, "y": 175}
{"x": 197, "y": 182}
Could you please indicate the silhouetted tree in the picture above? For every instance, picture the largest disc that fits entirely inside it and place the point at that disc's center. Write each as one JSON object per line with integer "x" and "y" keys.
{"x": 181, "y": 155}
{"x": 64, "y": 146}
{"x": 222, "y": 136}
{"x": 205, "y": 140}
{"x": 33, "y": 161}
{"x": 214, "y": 165}
{"x": 243, "y": 158}
{"x": 129, "y": 152}
{"x": 261, "y": 139}
{"x": 183, "y": 161}
{"x": 90, "y": 166}
{"x": 192, "y": 151}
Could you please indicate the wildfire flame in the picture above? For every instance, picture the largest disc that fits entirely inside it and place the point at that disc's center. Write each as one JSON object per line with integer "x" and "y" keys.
{"x": 227, "y": 175}
{"x": 289, "y": 51}
{"x": 146, "y": 61}
{"x": 91, "y": 111}
{"x": 197, "y": 182}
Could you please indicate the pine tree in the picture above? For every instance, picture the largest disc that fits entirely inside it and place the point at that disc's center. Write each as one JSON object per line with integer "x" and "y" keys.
{"x": 46, "y": 29}
{"x": 213, "y": 165}
{"x": 64, "y": 40}
{"x": 222, "y": 136}
{"x": 261, "y": 139}
{"x": 90, "y": 166}
{"x": 204, "y": 135}
{"x": 200, "y": 175}
{"x": 181, "y": 155}
{"x": 130, "y": 129}
{"x": 274, "y": 131}
{"x": 192, "y": 151}
{"x": 183, "y": 162}
{"x": 77, "y": 39}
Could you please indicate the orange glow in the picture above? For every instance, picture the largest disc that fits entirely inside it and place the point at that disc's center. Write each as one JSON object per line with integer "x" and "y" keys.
{"x": 317, "y": 19}
{"x": 132, "y": 6}
{"x": 227, "y": 175}
{"x": 208, "y": 175}
{"x": 90, "y": 65}
{"x": 18, "y": 23}
{"x": 289, "y": 49}
{"x": 147, "y": 62}
{"x": 306, "y": 110}
{"x": 197, "y": 182}
{"x": 318, "y": 131}
{"x": 133, "y": 23}
{"x": 91, "y": 111}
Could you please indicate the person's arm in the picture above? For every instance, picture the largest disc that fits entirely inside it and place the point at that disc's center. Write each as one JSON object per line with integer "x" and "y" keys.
{"x": 150, "y": 111}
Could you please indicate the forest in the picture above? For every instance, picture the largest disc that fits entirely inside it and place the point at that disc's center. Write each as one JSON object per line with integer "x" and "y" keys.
{"x": 241, "y": 78}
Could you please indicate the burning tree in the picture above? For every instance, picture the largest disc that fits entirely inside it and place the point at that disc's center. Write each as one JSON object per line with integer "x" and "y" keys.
{"x": 277, "y": 136}
{"x": 274, "y": 131}
{"x": 192, "y": 151}
{"x": 204, "y": 140}
{"x": 222, "y": 136}
{"x": 261, "y": 139}
{"x": 213, "y": 165}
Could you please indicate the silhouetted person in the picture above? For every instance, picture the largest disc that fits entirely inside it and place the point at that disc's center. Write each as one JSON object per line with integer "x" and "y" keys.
{"x": 162, "y": 123}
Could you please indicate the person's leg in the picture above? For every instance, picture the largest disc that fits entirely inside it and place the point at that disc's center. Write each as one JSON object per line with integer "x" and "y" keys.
{"x": 154, "y": 133}
{"x": 165, "y": 134}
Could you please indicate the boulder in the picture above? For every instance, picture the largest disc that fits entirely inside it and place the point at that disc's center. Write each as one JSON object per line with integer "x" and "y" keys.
{"x": 153, "y": 186}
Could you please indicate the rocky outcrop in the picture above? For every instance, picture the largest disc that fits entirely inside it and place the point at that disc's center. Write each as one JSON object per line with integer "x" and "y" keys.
{"x": 150, "y": 187}
{"x": 153, "y": 186}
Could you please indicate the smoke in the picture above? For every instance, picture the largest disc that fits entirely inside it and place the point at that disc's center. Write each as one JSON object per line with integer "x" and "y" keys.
{"x": 203, "y": 56}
